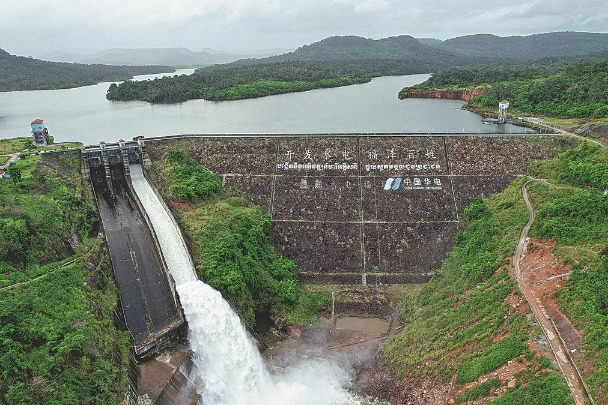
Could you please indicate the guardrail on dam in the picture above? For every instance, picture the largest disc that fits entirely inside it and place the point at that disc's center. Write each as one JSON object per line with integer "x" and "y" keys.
{"x": 149, "y": 301}
{"x": 363, "y": 208}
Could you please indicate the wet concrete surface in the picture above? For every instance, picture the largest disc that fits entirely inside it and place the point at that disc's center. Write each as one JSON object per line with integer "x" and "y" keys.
{"x": 362, "y": 324}
{"x": 149, "y": 306}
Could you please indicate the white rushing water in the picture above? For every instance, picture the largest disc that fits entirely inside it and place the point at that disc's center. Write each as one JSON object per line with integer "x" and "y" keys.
{"x": 169, "y": 237}
{"x": 229, "y": 368}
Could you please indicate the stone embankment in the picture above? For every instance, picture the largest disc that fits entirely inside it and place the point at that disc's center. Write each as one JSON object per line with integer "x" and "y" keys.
{"x": 448, "y": 94}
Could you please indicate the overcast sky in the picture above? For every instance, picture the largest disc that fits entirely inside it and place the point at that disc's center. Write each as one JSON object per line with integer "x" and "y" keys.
{"x": 33, "y": 27}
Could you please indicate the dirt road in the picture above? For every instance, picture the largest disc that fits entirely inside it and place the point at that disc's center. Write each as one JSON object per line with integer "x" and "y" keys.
{"x": 567, "y": 366}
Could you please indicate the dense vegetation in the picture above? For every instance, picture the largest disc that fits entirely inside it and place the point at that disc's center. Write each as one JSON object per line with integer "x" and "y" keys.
{"x": 58, "y": 342}
{"x": 189, "y": 181}
{"x": 527, "y": 47}
{"x": 231, "y": 243}
{"x": 573, "y": 209}
{"x": 340, "y": 61}
{"x": 460, "y": 325}
{"x": 576, "y": 92}
{"x": 260, "y": 80}
{"x": 570, "y": 88}
{"x": 42, "y": 206}
{"x": 484, "y": 74}
{"x": 21, "y": 73}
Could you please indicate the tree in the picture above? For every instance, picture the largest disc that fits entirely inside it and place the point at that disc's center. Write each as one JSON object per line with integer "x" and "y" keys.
{"x": 14, "y": 242}
{"x": 15, "y": 174}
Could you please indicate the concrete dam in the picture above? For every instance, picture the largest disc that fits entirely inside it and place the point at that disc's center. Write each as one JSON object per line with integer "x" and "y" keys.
{"x": 348, "y": 209}
{"x": 353, "y": 209}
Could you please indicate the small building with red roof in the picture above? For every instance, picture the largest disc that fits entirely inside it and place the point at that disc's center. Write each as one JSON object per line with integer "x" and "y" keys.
{"x": 40, "y": 134}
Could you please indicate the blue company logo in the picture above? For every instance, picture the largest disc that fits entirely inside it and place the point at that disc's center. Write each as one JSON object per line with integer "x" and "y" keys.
{"x": 392, "y": 183}
{"x": 417, "y": 183}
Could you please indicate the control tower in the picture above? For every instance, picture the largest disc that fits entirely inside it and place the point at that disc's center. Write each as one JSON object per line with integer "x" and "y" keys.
{"x": 40, "y": 134}
{"x": 503, "y": 106}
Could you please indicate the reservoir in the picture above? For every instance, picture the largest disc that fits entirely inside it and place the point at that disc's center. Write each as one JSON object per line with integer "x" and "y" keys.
{"x": 83, "y": 114}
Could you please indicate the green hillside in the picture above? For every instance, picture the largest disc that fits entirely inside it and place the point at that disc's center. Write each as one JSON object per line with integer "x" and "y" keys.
{"x": 21, "y": 73}
{"x": 353, "y": 48}
{"x": 575, "y": 87}
{"x": 261, "y": 80}
{"x": 58, "y": 340}
{"x": 462, "y": 326}
{"x": 335, "y": 61}
{"x": 529, "y": 47}
{"x": 344, "y": 60}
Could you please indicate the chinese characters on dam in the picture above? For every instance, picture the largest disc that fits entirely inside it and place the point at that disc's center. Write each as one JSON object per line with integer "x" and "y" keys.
{"x": 403, "y": 159}
{"x": 341, "y": 206}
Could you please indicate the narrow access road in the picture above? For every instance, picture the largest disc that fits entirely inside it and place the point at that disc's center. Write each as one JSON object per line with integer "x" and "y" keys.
{"x": 12, "y": 159}
{"x": 79, "y": 257}
{"x": 567, "y": 366}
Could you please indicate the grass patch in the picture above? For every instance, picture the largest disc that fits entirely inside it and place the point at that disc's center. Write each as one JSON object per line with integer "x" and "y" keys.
{"x": 14, "y": 145}
{"x": 541, "y": 390}
{"x": 491, "y": 359}
{"x": 479, "y": 391}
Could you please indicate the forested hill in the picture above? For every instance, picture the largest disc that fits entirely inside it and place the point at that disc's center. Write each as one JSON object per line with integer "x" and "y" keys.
{"x": 527, "y": 47}
{"x": 335, "y": 61}
{"x": 344, "y": 60}
{"x": 465, "y": 50}
{"x": 353, "y": 48}
{"x": 574, "y": 87}
{"x": 22, "y": 73}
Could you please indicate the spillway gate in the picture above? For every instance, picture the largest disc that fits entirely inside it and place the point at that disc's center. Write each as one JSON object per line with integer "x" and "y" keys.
{"x": 150, "y": 305}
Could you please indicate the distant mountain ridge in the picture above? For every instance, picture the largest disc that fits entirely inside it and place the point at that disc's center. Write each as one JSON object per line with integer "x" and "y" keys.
{"x": 478, "y": 48}
{"x": 354, "y": 48}
{"x": 537, "y": 46}
{"x": 371, "y": 57}
{"x": 23, "y": 73}
{"x": 465, "y": 50}
{"x": 176, "y": 57}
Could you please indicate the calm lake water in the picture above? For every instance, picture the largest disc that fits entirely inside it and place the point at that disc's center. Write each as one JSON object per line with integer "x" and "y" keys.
{"x": 83, "y": 114}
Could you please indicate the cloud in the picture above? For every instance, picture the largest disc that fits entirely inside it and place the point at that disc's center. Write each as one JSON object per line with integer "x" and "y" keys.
{"x": 365, "y": 6}
{"x": 239, "y": 24}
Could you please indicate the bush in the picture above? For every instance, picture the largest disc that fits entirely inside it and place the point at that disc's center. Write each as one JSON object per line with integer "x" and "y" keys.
{"x": 189, "y": 181}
